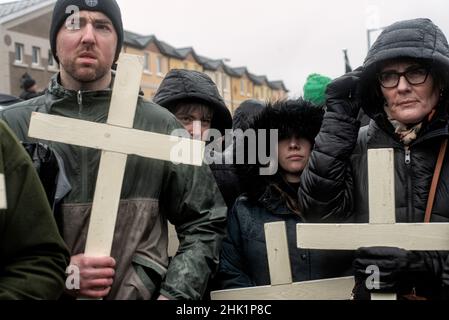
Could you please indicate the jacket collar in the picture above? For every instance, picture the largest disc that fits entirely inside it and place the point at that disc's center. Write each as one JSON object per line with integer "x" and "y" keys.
{"x": 438, "y": 127}
{"x": 56, "y": 89}
{"x": 57, "y": 93}
{"x": 274, "y": 198}
{"x": 380, "y": 138}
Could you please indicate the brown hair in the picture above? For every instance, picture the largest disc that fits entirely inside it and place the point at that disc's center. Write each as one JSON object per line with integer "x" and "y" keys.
{"x": 188, "y": 107}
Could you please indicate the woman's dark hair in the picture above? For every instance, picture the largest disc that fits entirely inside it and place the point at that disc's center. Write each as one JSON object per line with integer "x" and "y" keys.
{"x": 440, "y": 76}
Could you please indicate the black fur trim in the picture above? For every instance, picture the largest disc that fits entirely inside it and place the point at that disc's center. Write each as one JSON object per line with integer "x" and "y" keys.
{"x": 290, "y": 117}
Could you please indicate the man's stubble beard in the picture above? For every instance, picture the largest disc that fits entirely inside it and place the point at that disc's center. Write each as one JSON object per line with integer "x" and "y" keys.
{"x": 73, "y": 71}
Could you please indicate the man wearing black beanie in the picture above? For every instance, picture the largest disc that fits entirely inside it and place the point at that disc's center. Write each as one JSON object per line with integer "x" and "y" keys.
{"x": 86, "y": 38}
{"x": 64, "y": 8}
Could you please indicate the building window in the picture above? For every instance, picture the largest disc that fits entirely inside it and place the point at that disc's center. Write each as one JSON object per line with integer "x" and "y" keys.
{"x": 225, "y": 82}
{"x": 146, "y": 61}
{"x": 19, "y": 53}
{"x": 51, "y": 60}
{"x": 213, "y": 76}
{"x": 160, "y": 66}
{"x": 218, "y": 81}
{"x": 242, "y": 87}
{"x": 36, "y": 56}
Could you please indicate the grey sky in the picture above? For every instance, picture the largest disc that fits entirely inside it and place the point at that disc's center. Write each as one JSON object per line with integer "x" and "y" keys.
{"x": 284, "y": 39}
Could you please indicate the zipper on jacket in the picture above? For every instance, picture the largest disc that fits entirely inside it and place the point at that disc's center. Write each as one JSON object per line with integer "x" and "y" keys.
{"x": 84, "y": 166}
{"x": 408, "y": 162}
{"x": 79, "y": 97}
{"x": 408, "y": 156}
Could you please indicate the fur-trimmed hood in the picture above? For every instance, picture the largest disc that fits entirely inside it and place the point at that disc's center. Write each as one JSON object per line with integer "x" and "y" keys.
{"x": 290, "y": 117}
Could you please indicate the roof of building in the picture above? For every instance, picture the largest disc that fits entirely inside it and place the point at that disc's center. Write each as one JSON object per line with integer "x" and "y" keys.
{"x": 141, "y": 42}
{"x": 260, "y": 80}
{"x": 14, "y": 7}
{"x": 240, "y": 71}
{"x": 210, "y": 64}
{"x": 278, "y": 85}
{"x": 169, "y": 50}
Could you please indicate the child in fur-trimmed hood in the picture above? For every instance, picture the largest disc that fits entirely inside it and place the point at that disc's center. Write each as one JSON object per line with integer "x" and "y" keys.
{"x": 273, "y": 198}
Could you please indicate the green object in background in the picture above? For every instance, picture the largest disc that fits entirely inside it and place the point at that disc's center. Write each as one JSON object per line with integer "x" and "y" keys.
{"x": 315, "y": 88}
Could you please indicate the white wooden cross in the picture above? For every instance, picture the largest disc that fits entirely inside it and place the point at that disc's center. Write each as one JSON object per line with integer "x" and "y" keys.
{"x": 382, "y": 230}
{"x": 2, "y": 192}
{"x": 173, "y": 241}
{"x": 117, "y": 140}
{"x": 281, "y": 287}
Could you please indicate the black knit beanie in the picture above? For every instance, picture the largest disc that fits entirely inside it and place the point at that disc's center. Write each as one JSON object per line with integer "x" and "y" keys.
{"x": 109, "y": 8}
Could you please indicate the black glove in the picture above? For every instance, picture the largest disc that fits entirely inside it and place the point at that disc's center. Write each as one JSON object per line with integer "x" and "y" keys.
{"x": 342, "y": 94}
{"x": 399, "y": 270}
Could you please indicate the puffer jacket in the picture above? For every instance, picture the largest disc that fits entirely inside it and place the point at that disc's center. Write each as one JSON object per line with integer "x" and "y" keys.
{"x": 334, "y": 187}
{"x": 266, "y": 199}
{"x": 244, "y": 260}
{"x": 153, "y": 191}
{"x": 33, "y": 257}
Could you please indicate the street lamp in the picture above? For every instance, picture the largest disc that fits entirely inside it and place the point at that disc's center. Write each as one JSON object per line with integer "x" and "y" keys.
{"x": 368, "y": 34}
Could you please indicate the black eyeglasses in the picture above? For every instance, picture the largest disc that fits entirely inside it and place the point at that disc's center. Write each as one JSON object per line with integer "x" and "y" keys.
{"x": 414, "y": 76}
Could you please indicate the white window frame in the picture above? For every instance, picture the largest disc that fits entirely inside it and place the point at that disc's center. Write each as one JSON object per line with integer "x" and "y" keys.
{"x": 225, "y": 82}
{"x": 51, "y": 60}
{"x": 219, "y": 81}
{"x": 159, "y": 66}
{"x": 147, "y": 62}
{"x": 21, "y": 53}
{"x": 36, "y": 56}
{"x": 242, "y": 87}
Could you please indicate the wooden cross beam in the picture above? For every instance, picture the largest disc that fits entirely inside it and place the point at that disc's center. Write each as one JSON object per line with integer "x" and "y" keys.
{"x": 2, "y": 192}
{"x": 117, "y": 140}
{"x": 173, "y": 241}
{"x": 382, "y": 230}
{"x": 281, "y": 287}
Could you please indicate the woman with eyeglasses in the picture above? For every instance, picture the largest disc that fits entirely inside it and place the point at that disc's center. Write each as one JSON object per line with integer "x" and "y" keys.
{"x": 403, "y": 88}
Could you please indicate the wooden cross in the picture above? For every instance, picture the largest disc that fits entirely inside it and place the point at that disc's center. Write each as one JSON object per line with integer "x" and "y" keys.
{"x": 173, "y": 241}
{"x": 2, "y": 192}
{"x": 117, "y": 140}
{"x": 382, "y": 229}
{"x": 281, "y": 287}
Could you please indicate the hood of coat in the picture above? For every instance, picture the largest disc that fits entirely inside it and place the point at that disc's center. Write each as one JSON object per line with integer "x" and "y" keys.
{"x": 245, "y": 112}
{"x": 187, "y": 85}
{"x": 291, "y": 117}
{"x": 416, "y": 39}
